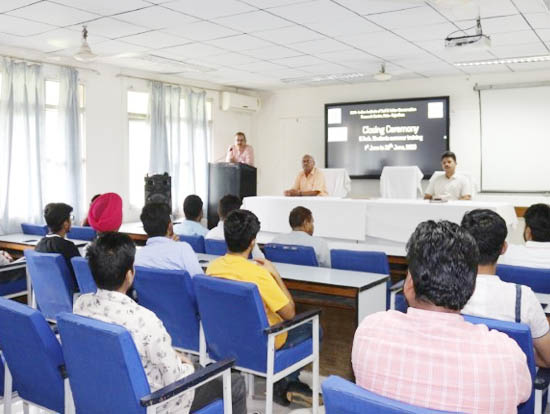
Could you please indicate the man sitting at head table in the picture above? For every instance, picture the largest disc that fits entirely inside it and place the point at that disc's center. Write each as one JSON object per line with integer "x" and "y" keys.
{"x": 301, "y": 222}
{"x": 309, "y": 182}
{"x": 240, "y": 151}
{"x": 536, "y": 250}
{"x": 449, "y": 186}
{"x": 430, "y": 356}
{"x": 513, "y": 303}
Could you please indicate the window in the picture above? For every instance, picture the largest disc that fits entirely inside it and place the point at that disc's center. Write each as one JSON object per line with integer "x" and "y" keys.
{"x": 139, "y": 133}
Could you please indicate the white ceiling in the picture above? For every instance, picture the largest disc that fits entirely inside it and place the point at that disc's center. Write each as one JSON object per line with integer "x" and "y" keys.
{"x": 265, "y": 43}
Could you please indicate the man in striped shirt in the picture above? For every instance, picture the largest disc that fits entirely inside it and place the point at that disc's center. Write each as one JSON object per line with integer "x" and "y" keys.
{"x": 430, "y": 356}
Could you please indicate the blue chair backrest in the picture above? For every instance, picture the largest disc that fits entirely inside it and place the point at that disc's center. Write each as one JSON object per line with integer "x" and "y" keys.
{"x": 196, "y": 242}
{"x": 520, "y": 333}
{"x": 289, "y": 253}
{"x": 82, "y": 233}
{"x": 35, "y": 229}
{"x": 213, "y": 246}
{"x": 103, "y": 364}
{"x": 84, "y": 277}
{"x": 33, "y": 354}
{"x": 52, "y": 283}
{"x": 536, "y": 279}
{"x": 170, "y": 295}
{"x": 233, "y": 318}
{"x": 343, "y": 397}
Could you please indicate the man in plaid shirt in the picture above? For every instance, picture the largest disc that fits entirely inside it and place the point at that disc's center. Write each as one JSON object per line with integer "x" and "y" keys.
{"x": 430, "y": 356}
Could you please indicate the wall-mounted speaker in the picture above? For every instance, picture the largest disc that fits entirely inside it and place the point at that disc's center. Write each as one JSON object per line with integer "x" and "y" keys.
{"x": 158, "y": 189}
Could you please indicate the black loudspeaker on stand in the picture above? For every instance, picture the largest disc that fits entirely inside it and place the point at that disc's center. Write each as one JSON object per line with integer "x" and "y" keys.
{"x": 158, "y": 189}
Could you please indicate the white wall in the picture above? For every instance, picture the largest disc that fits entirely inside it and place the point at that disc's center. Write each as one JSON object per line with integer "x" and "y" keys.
{"x": 291, "y": 123}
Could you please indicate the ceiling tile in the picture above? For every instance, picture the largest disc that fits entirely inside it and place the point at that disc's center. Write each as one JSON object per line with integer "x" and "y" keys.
{"x": 155, "y": 40}
{"x": 156, "y": 17}
{"x": 192, "y": 50}
{"x": 377, "y": 6}
{"x": 105, "y": 7}
{"x": 383, "y": 44}
{"x": 228, "y": 59}
{"x": 289, "y": 35}
{"x": 531, "y": 6}
{"x": 326, "y": 69}
{"x": 285, "y": 73}
{"x": 504, "y": 24}
{"x": 417, "y": 17}
{"x": 240, "y": 42}
{"x": 311, "y": 12}
{"x": 200, "y": 31}
{"x": 21, "y": 27}
{"x": 514, "y": 38}
{"x": 51, "y": 13}
{"x": 544, "y": 34}
{"x": 528, "y": 49}
{"x": 111, "y": 28}
{"x": 253, "y": 22}
{"x": 473, "y": 9}
{"x": 319, "y": 46}
{"x": 429, "y": 32}
{"x": 7, "y": 5}
{"x": 539, "y": 20}
{"x": 264, "y": 4}
{"x": 261, "y": 66}
{"x": 272, "y": 52}
{"x": 58, "y": 39}
{"x": 298, "y": 61}
{"x": 349, "y": 55}
{"x": 116, "y": 47}
{"x": 524, "y": 67}
{"x": 209, "y": 9}
{"x": 345, "y": 27}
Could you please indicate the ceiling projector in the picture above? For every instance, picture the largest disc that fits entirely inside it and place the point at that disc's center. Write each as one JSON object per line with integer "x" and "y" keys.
{"x": 478, "y": 40}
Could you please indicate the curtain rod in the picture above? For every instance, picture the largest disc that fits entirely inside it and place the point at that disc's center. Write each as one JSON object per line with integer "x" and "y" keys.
{"x": 50, "y": 63}
{"x": 122, "y": 75}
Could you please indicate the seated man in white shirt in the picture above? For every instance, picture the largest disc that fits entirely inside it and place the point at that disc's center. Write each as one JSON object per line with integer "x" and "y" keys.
{"x": 111, "y": 259}
{"x": 301, "y": 223}
{"x": 163, "y": 249}
{"x": 191, "y": 226}
{"x": 536, "y": 250}
{"x": 449, "y": 186}
{"x": 496, "y": 299}
{"x": 227, "y": 204}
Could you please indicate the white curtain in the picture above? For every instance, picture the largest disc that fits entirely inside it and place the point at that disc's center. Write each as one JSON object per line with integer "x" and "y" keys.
{"x": 180, "y": 141}
{"x": 21, "y": 133}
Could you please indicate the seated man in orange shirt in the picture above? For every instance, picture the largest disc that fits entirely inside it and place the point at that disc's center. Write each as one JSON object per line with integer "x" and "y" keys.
{"x": 310, "y": 182}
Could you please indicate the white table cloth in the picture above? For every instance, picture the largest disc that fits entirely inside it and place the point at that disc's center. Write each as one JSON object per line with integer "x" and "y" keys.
{"x": 401, "y": 182}
{"x": 337, "y": 181}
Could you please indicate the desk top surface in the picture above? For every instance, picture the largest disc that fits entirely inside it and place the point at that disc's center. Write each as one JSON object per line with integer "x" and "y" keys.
{"x": 319, "y": 275}
{"x": 31, "y": 239}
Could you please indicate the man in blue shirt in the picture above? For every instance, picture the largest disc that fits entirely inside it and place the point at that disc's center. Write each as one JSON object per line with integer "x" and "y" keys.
{"x": 163, "y": 249}
{"x": 192, "y": 208}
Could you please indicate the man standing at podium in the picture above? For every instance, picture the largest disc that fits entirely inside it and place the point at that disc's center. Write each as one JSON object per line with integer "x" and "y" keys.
{"x": 309, "y": 182}
{"x": 240, "y": 152}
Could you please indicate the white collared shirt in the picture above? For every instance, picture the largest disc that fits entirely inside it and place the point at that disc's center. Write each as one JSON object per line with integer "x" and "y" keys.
{"x": 530, "y": 254}
{"x": 449, "y": 188}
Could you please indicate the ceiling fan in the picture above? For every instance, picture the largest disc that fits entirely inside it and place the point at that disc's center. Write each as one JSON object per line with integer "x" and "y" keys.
{"x": 84, "y": 53}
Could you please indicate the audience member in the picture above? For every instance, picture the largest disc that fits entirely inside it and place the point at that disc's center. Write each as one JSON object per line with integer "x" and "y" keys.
{"x": 5, "y": 258}
{"x": 227, "y": 204}
{"x": 430, "y": 356}
{"x": 162, "y": 249}
{"x": 191, "y": 226}
{"x": 106, "y": 213}
{"x": 309, "y": 182}
{"x": 111, "y": 258}
{"x": 301, "y": 223}
{"x": 536, "y": 250}
{"x": 241, "y": 228}
{"x": 59, "y": 220}
{"x": 241, "y": 151}
{"x": 85, "y": 221}
{"x": 451, "y": 185}
{"x": 514, "y": 303}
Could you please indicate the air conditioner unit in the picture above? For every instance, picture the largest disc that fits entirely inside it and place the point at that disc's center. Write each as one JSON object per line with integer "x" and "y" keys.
{"x": 236, "y": 102}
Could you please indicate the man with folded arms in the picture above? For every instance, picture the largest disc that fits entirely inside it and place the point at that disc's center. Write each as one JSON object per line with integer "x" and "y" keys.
{"x": 430, "y": 356}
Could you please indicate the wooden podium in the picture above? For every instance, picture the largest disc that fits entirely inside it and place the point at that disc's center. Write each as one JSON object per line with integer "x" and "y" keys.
{"x": 228, "y": 178}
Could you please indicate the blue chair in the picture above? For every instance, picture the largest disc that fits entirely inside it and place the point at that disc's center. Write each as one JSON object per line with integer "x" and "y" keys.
{"x": 34, "y": 358}
{"x": 13, "y": 280}
{"x": 292, "y": 254}
{"x": 372, "y": 262}
{"x": 84, "y": 277}
{"x": 81, "y": 233}
{"x": 107, "y": 376}
{"x": 213, "y": 246}
{"x": 35, "y": 229}
{"x": 170, "y": 295}
{"x": 536, "y": 279}
{"x": 344, "y": 397}
{"x": 235, "y": 326}
{"x": 52, "y": 283}
{"x": 196, "y": 242}
{"x": 521, "y": 333}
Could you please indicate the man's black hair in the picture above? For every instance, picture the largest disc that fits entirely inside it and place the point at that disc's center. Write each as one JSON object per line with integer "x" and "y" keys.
{"x": 155, "y": 218}
{"x": 56, "y": 214}
{"x": 240, "y": 227}
{"x": 443, "y": 261}
{"x": 489, "y": 231}
{"x": 298, "y": 216}
{"x": 228, "y": 203}
{"x": 448, "y": 154}
{"x": 110, "y": 256}
{"x": 94, "y": 198}
{"x": 192, "y": 207}
{"x": 537, "y": 218}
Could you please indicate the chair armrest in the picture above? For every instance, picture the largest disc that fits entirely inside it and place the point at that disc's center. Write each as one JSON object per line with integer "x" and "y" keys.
{"x": 301, "y": 317}
{"x": 187, "y": 382}
{"x": 397, "y": 286}
{"x": 542, "y": 379}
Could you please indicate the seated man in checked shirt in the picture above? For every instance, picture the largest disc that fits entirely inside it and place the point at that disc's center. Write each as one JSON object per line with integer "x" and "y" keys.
{"x": 430, "y": 357}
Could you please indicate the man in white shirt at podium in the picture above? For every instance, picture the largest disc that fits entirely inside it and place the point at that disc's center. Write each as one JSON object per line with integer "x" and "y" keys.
{"x": 449, "y": 186}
